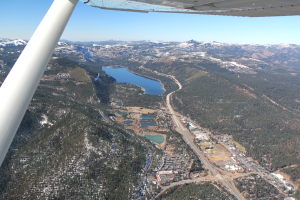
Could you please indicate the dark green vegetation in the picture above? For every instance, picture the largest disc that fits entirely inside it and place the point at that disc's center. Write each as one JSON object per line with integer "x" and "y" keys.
{"x": 197, "y": 166}
{"x": 103, "y": 86}
{"x": 294, "y": 172}
{"x": 132, "y": 95}
{"x": 181, "y": 147}
{"x": 254, "y": 108}
{"x": 255, "y": 188}
{"x": 64, "y": 149}
{"x": 205, "y": 191}
{"x": 9, "y": 55}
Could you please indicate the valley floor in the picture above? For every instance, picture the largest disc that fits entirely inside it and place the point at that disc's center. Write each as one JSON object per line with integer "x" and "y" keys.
{"x": 223, "y": 159}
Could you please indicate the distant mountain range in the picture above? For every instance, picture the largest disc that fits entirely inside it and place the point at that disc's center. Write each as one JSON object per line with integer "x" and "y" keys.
{"x": 19, "y": 42}
{"x": 9, "y": 42}
{"x": 242, "y": 58}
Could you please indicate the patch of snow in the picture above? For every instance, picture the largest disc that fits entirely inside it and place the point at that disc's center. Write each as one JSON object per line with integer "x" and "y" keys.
{"x": 212, "y": 44}
{"x": 96, "y": 45}
{"x": 45, "y": 121}
{"x": 232, "y": 167}
{"x": 279, "y": 176}
{"x": 17, "y": 42}
{"x": 282, "y": 45}
{"x": 283, "y": 180}
{"x": 62, "y": 44}
{"x": 156, "y": 42}
{"x": 229, "y": 65}
{"x": 47, "y": 191}
{"x": 89, "y": 147}
{"x": 184, "y": 45}
{"x": 289, "y": 198}
{"x": 237, "y": 64}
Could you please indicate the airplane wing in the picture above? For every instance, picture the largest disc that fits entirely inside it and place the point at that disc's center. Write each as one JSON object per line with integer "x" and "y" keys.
{"x": 246, "y": 8}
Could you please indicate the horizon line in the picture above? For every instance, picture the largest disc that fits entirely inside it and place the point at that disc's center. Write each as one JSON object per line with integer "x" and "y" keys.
{"x": 160, "y": 41}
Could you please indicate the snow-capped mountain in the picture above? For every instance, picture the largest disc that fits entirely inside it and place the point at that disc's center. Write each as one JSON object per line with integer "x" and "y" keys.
{"x": 237, "y": 58}
{"x": 7, "y": 42}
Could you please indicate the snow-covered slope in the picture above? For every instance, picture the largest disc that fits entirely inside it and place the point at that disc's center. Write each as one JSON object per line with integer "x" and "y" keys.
{"x": 7, "y": 42}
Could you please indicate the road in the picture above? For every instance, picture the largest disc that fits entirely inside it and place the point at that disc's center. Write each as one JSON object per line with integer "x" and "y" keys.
{"x": 208, "y": 178}
{"x": 197, "y": 180}
{"x": 189, "y": 140}
{"x": 221, "y": 177}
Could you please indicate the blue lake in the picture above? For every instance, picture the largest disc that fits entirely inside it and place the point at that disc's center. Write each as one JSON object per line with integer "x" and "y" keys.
{"x": 122, "y": 75}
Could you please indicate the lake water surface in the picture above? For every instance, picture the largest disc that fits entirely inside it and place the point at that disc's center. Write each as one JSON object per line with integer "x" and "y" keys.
{"x": 148, "y": 117}
{"x": 122, "y": 75}
{"x": 155, "y": 138}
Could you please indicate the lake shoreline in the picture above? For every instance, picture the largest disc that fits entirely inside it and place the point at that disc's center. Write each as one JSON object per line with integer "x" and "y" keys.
{"x": 140, "y": 75}
{"x": 151, "y": 78}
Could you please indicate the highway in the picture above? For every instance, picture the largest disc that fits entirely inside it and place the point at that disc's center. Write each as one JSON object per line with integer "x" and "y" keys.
{"x": 226, "y": 182}
{"x": 189, "y": 181}
{"x": 220, "y": 176}
{"x": 208, "y": 178}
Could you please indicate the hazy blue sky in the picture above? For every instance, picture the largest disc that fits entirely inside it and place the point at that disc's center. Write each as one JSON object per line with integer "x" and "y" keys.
{"x": 19, "y": 18}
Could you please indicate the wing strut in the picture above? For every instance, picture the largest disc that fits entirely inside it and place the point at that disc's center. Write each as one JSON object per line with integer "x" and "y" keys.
{"x": 19, "y": 86}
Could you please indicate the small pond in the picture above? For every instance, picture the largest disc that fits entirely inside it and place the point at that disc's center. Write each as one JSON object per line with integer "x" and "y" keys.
{"x": 155, "y": 138}
{"x": 145, "y": 124}
{"x": 147, "y": 117}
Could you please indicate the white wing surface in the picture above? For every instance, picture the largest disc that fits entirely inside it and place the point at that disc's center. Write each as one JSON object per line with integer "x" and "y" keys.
{"x": 247, "y": 8}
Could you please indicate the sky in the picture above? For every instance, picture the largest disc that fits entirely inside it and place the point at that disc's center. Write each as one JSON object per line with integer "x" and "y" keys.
{"x": 19, "y": 18}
